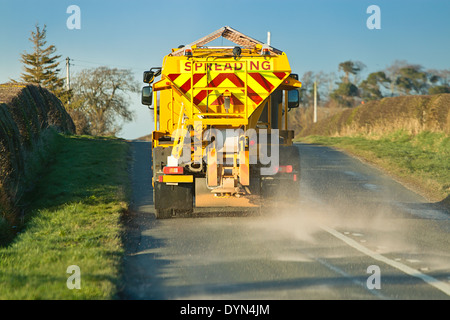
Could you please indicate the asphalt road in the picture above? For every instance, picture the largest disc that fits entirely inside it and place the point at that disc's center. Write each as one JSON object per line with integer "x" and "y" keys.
{"x": 357, "y": 234}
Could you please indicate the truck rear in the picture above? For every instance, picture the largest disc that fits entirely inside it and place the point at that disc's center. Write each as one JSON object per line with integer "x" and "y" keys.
{"x": 221, "y": 139}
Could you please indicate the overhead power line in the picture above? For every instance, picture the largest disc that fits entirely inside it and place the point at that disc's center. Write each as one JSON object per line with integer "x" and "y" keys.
{"x": 101, "y": 64}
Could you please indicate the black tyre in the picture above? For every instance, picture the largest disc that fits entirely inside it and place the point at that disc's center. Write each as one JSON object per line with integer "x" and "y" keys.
{"x": 164, "y": 213}
{"x": 284, "y": 186}
{"x": 291, "y": 156}
{"x": 172, "y": 200}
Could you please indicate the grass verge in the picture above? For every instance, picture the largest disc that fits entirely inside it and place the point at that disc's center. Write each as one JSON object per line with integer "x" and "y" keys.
{"x": 74, "y": 219}
{"x": 421, "y": 162}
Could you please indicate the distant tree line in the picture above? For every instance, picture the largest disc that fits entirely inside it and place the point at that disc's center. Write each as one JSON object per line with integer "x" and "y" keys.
{"x": 347, "y": 89}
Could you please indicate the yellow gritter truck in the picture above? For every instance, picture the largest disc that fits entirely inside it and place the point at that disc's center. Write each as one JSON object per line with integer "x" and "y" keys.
{"x": 221, "y": 139}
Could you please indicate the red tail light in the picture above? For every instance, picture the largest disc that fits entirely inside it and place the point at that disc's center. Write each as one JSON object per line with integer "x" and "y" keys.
{"x": 173, "y": 170}
{"x": 285, "y": 169}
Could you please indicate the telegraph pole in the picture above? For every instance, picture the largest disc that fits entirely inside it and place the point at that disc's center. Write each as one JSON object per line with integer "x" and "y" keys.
{"x": 68, "y": 78}
{"x": 315, "y": 101}
{"x": 68, "y": 73}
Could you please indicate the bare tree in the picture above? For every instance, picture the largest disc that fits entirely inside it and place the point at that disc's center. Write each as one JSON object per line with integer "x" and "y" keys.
{"x": 101, "y": 99}
{"x": 439, "y": 81}
{"x": 351, "y": 67}
{"x": 370, "y": 89}
{"x": 395, "y": 73}
{"x": 307, "y": 86}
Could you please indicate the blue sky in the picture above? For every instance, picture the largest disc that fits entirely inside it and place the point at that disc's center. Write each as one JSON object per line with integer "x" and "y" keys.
{"x": 316, "y": 35}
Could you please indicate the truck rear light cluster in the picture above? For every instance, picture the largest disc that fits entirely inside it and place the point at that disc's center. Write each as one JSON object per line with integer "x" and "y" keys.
{"x": 285, "y": 169}
{"x": 173, "y": 170}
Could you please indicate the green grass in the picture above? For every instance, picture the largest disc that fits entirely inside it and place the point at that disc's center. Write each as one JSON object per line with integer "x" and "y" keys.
{"x": 421, "y": 161}
{"x": 75, "y": 219}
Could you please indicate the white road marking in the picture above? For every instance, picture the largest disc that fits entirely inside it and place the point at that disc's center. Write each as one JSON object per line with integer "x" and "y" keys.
{"x": 346, "y": 275}
{"x": 434, "y": 214}
{"x": 442, "y": 286}
{"x": 356, "y": 175}
{"x": 413, "y": 260}
{"x": 357, "y": 234}
{"x": 370, "y": 186}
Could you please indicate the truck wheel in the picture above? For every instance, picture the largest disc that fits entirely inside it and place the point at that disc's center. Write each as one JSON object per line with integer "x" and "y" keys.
{"x": 283, "y": 187}
{"x": 172, "y": 200}
{"x": 291, "y": 156}
{"x": 164, "y": 213}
